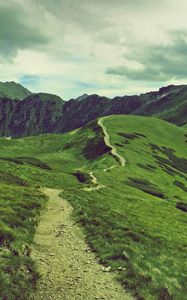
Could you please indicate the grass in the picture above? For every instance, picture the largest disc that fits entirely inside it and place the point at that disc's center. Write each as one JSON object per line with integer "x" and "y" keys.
{"x": 133, "y": 222}
{"x": 146, "y": 186}
{"x": 27, "y": 160}
{"x": 19, "y": 208}
{"x": 180, "y": 185}
{"x": 136, "y": 221}
{"x": 182, "y": 206}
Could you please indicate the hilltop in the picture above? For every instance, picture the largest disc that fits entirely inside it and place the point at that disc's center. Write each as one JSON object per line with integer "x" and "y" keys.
{"x": 13, "y": 90}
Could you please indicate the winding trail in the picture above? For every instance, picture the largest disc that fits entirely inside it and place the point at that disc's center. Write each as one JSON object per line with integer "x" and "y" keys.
{"x": 114, "y": 152}
{"x": 94, "y": 184}
{"x": 94, "y": 179}
{"x": 69, "y": 270}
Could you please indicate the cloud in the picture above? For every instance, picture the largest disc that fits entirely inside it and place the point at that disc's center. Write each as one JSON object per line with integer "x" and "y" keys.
{"x": 16, "y": 32}
{"x": 156, "y": 62}
{"x": 69, "y": 47}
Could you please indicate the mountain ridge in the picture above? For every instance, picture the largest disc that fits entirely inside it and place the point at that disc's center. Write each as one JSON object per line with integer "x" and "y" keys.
{"x": 46, "y": 113}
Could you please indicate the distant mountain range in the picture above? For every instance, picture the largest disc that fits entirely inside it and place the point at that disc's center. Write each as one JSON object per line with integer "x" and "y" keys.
{"x": 47, "y": 113}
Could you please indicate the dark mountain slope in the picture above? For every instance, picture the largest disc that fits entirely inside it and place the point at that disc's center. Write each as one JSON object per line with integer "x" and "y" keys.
{"x": 36, "y": 114}
{"x": 170, "y": 104}
{"x": 45, "y": 113}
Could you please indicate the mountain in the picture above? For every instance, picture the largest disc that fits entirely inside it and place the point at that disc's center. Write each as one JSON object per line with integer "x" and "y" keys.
{"x": 170, "y": 103}
{"x": 45, "y": 113}
{"x": 36, "y": 114}
{"x": 80, "y": 98}
{"x": 125, "y": 177}
{"x": 13, "y": 90}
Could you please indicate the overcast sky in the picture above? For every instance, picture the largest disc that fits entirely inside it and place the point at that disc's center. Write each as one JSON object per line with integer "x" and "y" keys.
{"x": 108, "y": 47}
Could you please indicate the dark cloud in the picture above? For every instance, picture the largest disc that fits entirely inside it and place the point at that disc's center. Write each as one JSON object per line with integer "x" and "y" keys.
{"x": 83, "y": 14}
{"x": 78, "y": 41}
{"x": 160, "y": 62}
{"x": 16, "y": 32}
{"x": 95, "y": 15}
{"x": 55, "y": 5}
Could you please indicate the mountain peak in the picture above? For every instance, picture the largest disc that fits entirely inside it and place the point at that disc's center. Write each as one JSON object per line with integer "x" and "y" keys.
{"x": 45, "y": 97}
{"x": 13, "y": 90}
{"x": 82, "y": 97}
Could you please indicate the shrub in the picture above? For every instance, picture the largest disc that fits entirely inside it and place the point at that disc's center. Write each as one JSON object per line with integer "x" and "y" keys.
{"x": 146, "y": 186}
{"x": 180, "y": 185}
{"x": 182, "y": 206}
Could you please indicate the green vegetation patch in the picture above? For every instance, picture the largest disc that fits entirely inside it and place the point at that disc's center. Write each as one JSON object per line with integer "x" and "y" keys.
{"x": 8, "y": 178}
{"x": 180, "y": 185}
{"x": 19, "y": 210}
{"x": 146, "y": 186}
{"x": 147, "y": 167}
{"x": 119, "y": 145}
{"x": 131, "y": 136}
{"x": 82, "y": 177}
{"x": 28, "y": 160}
{"x": 115, "y": 231}
{"x": 172, "y": 160}
{"x": 182, "y": 206}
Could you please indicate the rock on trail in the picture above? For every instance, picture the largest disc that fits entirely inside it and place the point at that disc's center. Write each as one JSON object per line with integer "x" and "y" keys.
{"x": 69, "y": 270}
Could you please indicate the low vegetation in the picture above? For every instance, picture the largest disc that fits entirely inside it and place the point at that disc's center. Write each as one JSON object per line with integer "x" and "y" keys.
{"x": 27, "y": 160}
{"x": 136, "y": 221}
{"x": 82, "y": 177}
{"x": 133, "y": 224}
{"x": 20, "y": 207}
{"x": 182, "y": 206}
{"x": 146, "y": 186}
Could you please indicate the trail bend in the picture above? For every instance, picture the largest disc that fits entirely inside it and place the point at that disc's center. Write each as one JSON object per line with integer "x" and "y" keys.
{"x": 114, "y": 152}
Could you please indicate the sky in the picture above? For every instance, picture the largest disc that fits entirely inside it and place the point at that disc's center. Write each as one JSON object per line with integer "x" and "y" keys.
{"x": 105, "y": 47}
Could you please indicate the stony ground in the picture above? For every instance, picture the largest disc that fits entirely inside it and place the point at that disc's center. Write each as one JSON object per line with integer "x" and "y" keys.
{"x": 69, "y": 270}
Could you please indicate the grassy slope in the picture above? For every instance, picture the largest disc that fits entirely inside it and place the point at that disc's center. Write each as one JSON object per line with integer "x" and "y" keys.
{"x": 13, "y": 90}
{"x": 130, "y": 223}
{"x": 19, "y": 208}
{"x": 170, "y": 107}
{"x": 184, "y": 126}
{"x": 131, "y": 228}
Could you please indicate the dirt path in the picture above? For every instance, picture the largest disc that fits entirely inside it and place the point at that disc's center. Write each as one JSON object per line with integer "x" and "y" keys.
{"x": 94, "y": 179}
{"x": 94, "y": 184}
{"x": 69, "y": 269}
{"x": 118, "y": 157}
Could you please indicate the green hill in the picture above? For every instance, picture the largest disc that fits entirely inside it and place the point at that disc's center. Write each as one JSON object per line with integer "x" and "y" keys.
{"x": 134, "y": 216}
{"x": 13, "y": 90}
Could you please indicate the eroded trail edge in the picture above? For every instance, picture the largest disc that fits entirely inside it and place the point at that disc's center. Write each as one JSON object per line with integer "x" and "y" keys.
{"x": 69, "y": 270}
{"x": 114, "y": 152}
